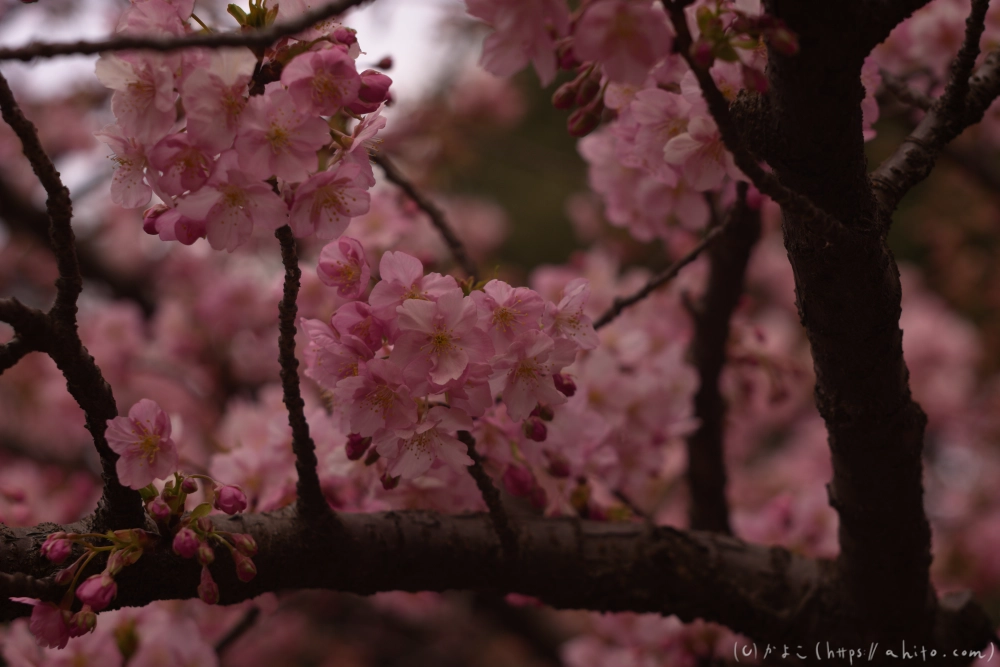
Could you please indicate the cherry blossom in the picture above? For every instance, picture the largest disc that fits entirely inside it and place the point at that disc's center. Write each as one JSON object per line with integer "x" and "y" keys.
{"x": 527, "y": 369}
{"x": 325, "y": 203}
{"x": 625, "y": 36}
{"x": 412, "y": 451}
{"x": 321, "y": 82}
{"x": 142, "y": 441}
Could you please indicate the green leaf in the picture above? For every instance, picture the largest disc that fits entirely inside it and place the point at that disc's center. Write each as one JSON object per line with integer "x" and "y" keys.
{"x": 201, "y": 510}
{"x": 238, "y": 14}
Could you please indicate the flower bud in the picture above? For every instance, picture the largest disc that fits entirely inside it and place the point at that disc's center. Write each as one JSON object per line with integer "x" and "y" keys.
{"x": 702, "y": 53}
{"x": 385, "y": 63}
{"x": 543, "y": 412}
{"x": 82, "y": 622}
{"x": 564, "y": 54}
{"x": 149, "y": 218}
{"x": 345, "y": 36}
{"x": 518, "y": 481}
{"x": 56, "y": 547}
{"x": 205, "y": 525}
{"x": 230, "y": 499}
{"x": 205, "y": 554}
{"x": 582, "y": 122}
{"x": 558, "y": 465}
{"x": 534, "y": 429}
{"x": 357, "y": 446}
{"x": 372, "y": 457}
{"x": 588, "y": 90}
{"x": 186, "y": 543}
{"x": 389, "y": 482}
{"x": 208, "y": 590}
{"x": 159, "y": 510}
{"x": 65, "y": 576}
{"x": 565, "y": 96}
{"x": 189, "y": 485}
{"x": 245, "y": 569}
{"x": 97, "y": 591}
{"x": 244, "y": 543}
{"x": 565, "y": 384}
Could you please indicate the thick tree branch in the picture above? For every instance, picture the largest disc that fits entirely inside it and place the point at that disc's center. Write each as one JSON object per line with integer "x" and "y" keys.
{"x": 657, "y": 281}
{"x": 120, "y": 507}
{"x": 255, "y": 39}
{"x": 433, "y": 212}
{"x": 706, "y": 472}
{"x": 767, "y": 593}
{"x": 311, "y": 500}
{"x": 881, "y": 16}
{"x": 848, "y": 295}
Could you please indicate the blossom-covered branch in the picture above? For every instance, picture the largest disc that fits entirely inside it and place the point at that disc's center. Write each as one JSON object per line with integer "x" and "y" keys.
{"x": 252, "y": 39}
{"x": 706, "y": 472}
{"x": 120, "y": 506}
{"x": 435, "y": 214}
{"x": 914, "y": 159}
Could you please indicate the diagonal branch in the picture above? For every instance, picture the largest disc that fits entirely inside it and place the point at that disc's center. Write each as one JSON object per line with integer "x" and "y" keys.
{"x": 881, "y": 16}
{"x": 657, "y": 281}
{"x": 706, "y": 473}
{"x": 915, "y": 158}
{"x": 120, "y": 507}
{"x": 254, "y": 39}
{"x": 312, "y": 503}
{"x": 957, "y": 89}
{"x": 903, "y": 92}
{"x": 498, "y": 515}
{"x": 433, "y": 212}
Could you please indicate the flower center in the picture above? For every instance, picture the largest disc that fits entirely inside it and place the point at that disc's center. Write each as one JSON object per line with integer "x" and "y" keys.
{"x": 149, "y": 446}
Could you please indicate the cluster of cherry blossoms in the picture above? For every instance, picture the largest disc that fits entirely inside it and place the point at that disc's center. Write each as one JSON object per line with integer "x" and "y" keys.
{"x": 422, "y": 356}
{"x": 230, "y": 140}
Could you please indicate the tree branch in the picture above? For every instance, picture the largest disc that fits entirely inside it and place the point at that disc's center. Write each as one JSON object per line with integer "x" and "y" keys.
{"x": 767, "y": 593}
{"x": 120, "y": 506}
{"x": 433, "y": 212}
{"x": 957, "y": 88}
{"x": 498, "y": 515}
{"x": 881, "y": 16}
{"x": 657, "y": 281}
{"x": 914, "y": 159}
{"x": 254, "y": 39}
{"x": 706, "y": 472}
{"x": 899, "y": 87}
{"x": 311, "y": 500}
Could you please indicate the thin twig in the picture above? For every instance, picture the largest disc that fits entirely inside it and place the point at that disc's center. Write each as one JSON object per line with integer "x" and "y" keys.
{"x": 238, "y": 630}
{"x": 706, "y": 471}
{"x": 789, "y": 200}
{"x": 498, "y": 515}
{"x": 312, "y": 503}
{"x": 660, "y": 279}
{"x": 903, "y": 92}
{"x": 255, "y": 39}
{"x": 432, "y": 211}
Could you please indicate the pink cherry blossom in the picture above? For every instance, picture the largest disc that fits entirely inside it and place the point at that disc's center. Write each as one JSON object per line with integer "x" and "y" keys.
{"x": 277, "y": 138}
{"x": 701, "y": 155}
{"x": 357, "y": 148}
{"x": 568, "y": 320}
{"x": 356, "y": 319}
{"x": 377, "y": 398}
{"x": 326, "y": 202}
{"x": 521, "y": 34}
{"x": 412, "y": 451}
{"x": 128, "y": 187}
{"x": 184, "y": 164}
{"x": 230, "y": 499}
{"x": 331, "y": 358}
{"x": 142, "y": 441}
{"x": 402, "y": 277}
{"x": 508, "y": 312}
{"x": 342, "y": 264}
{"x": 374, "y": 91}
{"x": 214, "y": 97}
{"x": 144, "y": 96}
{"x": 321, "y": 82}
{"x": 528, "y": 367}
{"x": 625, "y": 36}
{"x": 443, "y": 332}
{"x": 49, "y": 623}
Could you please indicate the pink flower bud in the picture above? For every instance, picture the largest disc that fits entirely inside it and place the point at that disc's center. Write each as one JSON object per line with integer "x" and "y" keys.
{"x": 374, "y": 86}
{"x": 245, "y": 569}
{"x": 345, "y": 36}
{"x": 205, "y": 554}
{"x": 558, "y": 465}
{"x": 389, "y": 482}
{"x": 186, "y": 543}
{"x": 534, "y": 429}
{"x": 543, "y": 412}
{"x": 357, "y": 446}
{"x": 208, "y": 590}
{"x": 189, "y": 485}
{"x": 702, "y": 53}
{"x": 97, "y": 591}
{"x": 205, "y": 525}
{"x": 565, "y": 96}
{"x": 245, "y": 544}
{"x": 582, "y": 122}
{"x": 518, "y": 481}
{"x": 82, "y": 622}
{"x": 56, "y": 547}
{"x": 587, "y": 91}
{"x": 564, "y": 54}
{"x": 564, "y": 384}
{"x": 65, "y": 576}
{"x": 149, "y": 218}
{"x": 159, "y": 509}
{"x": 230, "y": 499}
{"x": 385, "y": 63}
